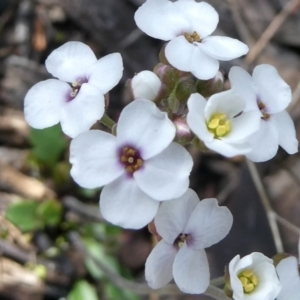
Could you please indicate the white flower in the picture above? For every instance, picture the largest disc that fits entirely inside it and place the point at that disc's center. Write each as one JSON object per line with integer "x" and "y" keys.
{"x": 186, "y": 226}
{"x": 267, "y": 93}
{"x": 221, "y": 123}
{"x": 253, "y": 278}
{"x": 145, "y": 85}
{"x": 138, "y": 168}
{"x": 78, "y": 105}
{"x": 188, "y": 24}
{"x": 288, "y": 273}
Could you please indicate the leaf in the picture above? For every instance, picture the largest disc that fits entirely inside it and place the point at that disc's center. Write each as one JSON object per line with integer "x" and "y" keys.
{"x": 83, "y": 290}
{"x": 23, "y": 215}
{"x": 48, "y": 144}
{"x": 114, "y": 293}
{"x": 50, "y": 212}
{"x": 97, "y": 252}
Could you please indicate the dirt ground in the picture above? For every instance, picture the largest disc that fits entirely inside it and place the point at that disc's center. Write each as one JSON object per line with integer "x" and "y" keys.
{"x": 46, "y": 262}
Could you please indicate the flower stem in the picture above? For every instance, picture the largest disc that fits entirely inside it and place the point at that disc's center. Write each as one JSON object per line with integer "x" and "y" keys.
{"x": 107, "y": 121}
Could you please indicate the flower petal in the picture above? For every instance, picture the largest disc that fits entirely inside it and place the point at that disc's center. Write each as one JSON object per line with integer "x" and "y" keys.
{"x": 161, "y": 19}
{"x": 208, "y": 224}
{"x": 159, "y": 265}
{"x": 288, "y": 274}
{"x": 189, "y": 58}
{"x": 172, "y": 216}
{"x": 235, "y": 283}
{"x": 145, "y": 85}
{"x": 124, "y": 204}
{"x": 144, "y": 126}
{"x": 166, "y": 175}
{"x": 79, "y": 114}
{"x": 196, "y": 119}
{"x": 228, "y": 149}
{"x": 222, "y": 47}
{"x": 70, "y": 61}
{"x": 228, "y": 103}
{"x": 243, "y": 84}
{"x": 264, "y": 142}
{"x": 286, "y": 131}
{"x": 243, "y": 126}
{"x": 106, "y": 72}
{"x": 191, "y": 270}
{"x": 273, "y": 90}
{"x": 202, "y": 16}
{"x": 43, "y": 102}
{"x": 269, "y": 285}
{"x": 95, "y": 159}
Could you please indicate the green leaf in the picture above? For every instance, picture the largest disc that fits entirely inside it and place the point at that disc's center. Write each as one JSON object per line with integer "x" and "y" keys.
{"x": 97, "y": 252}
{"x": 50, "y": 212}
{"x": 83, "y": 290}
{"x": 48, "y": 144}
{"x": 23, "y": 215}
{"x": 114, "y": 293}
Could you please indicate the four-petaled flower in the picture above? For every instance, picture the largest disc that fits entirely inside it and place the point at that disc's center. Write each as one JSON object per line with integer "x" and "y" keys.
{"x": 138, "y": 168}
{"x": 76, "y": 98}
{"x": 288, "y": 273}
{"x": 186, "y": 226}
{"x": 267, "y": 93}
{"x": 221, "y": 123}
{"x": 253, "y": 277}
{"x": 188, "y": 24}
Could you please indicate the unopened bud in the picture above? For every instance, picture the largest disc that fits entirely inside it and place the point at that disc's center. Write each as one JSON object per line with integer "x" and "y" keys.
{"x": 279, "y": 257}
{"x": 162, "y": 56}
{"x": 184, "y": 89}
{"x": 183, "y": 133}
{"x": 146, "y": 85}
{"x": 210, "y": 87}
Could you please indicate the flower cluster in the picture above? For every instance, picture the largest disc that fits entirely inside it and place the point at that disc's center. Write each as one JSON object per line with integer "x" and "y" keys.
{"x": 142, "y": 164}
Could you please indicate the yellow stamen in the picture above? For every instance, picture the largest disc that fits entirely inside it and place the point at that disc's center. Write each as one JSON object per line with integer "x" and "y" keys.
{"x": 249, "y": 280}
{"x": 194, "y": 37}
{"x": 219, "y": 125}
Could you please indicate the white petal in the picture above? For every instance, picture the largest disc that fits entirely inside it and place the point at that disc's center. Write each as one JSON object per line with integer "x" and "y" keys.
{"x": 106, "y": 72}
{"x": 172, "y": 216}
{"x": 273, "y": 90}
{"x": 43, "y": 103}
{"x": 286, "y": 131}
{"x": 228, "y": 149}
{"x": 243, "y": 126}
{"x": 79, "y": 114}
{"x": 161, "y": 19}
{"x": 166, "y": 175}
{"x": 124, "y": 204}
{"x": 202, "y": 16}
{"x": 264, "y": 142}
{"x": 95, "y": 160}
{"x": 191, "y": 271}
{"x": 228, "y": 103}
{"x": 243, "y": 84}
{"x": 235, "y": 283}
{"x": 288, "y": 274}
{"x": 146, "y": 85}
{"x": 222, "y": 47}
{"x": 143, "y": 126}
{"x": 189, "y": 58}
{"x": 159, "y": 265}
{"x": 70, "y": 61}
{"x": 196, "y": 119}
{"x": 269, "y": 285}
{"x": 208, "y": 224}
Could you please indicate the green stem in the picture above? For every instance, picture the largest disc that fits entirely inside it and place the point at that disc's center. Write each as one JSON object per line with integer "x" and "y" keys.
{"x": 107, "y": 121}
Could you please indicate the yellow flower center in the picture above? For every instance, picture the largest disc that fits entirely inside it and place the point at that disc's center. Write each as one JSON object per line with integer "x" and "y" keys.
{"x": 249, "y": 281}
{"x": 194, "y": 37}
{"x": 131, "y": 159}
{"x": 219, "y": 125}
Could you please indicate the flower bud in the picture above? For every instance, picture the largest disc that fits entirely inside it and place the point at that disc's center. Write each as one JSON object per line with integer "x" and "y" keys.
{"x": 162, "y": 56}
{"x": 279, "y": 257}
{"x": 210, "y": 87}
{"x": 146, "y": 85}
{"x": 184, "y": 89}
{"x": 183, "y": 133}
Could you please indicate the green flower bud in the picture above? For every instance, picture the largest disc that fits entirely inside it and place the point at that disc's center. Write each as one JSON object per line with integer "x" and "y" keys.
{"x": 210, "y": 87}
